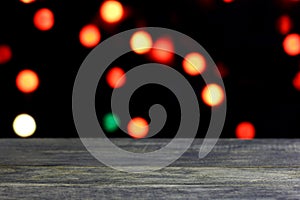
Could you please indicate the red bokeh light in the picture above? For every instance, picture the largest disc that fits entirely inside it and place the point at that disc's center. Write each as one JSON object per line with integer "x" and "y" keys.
{"x": 43, "y": 19}
{"x": 27, "y": 81}
{"x": 116, "y": 77}
{"x": 296, "y": 81}
{"x": 89, "y": 36}
{"x": 291, "y": 44}
{"x": 228, "y": 1}
{"x": 245, "y": 130}
{"x": 141, "y": 42}
{"x": 5, "y": 54}
{"x": 284, "y": 24}
{"x": 223, "y": 69}
{"x": 138, "y": 128}
{"x": 162, "y": 50}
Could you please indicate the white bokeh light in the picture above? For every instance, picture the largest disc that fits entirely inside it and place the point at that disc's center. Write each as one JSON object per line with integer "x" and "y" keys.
{"x": 24, "y": 125}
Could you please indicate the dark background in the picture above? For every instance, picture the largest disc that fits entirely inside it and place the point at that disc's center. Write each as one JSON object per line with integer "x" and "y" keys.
{"x": 241, "y": 35}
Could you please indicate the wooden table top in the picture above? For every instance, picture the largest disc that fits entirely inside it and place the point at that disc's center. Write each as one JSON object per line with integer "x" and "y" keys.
{"x": 235, "y": 169}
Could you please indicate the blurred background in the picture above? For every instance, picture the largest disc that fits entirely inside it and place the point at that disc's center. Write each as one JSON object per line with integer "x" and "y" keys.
{"x": 255, "y": 44}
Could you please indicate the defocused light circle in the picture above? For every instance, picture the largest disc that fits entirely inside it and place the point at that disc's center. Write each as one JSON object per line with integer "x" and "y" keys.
{"x": 111, "y": 11}
{"x": 5, "y": 54}
{"x": 213, "y": 95}
{"x": 138, "y": 128}
{"x": 27, "y": 1}
{"x": 110, "y": 122}
{"x": 284, "y": 24}
{"x": 228, "y": 1}
{"x": 141, "y": 42}
{"x": 89, "y": 36}
{"x": 43, "y": 19}
{"x": 245, "y": 130}
{"x": 162, "y": 50}
{"x": 296, "y": 81}
{"x": 291, "y": 44}
{"x": 24, "y": 125}
{"x": 27, "y": 81}
{"x": 116, "y": 77}
{"x": 194, "y": 64}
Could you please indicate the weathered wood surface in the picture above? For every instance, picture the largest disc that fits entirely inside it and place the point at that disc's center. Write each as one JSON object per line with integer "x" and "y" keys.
{"x": 63, "y": 169}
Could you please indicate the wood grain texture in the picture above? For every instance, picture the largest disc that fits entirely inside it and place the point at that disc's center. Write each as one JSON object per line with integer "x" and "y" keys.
{"x": 63, "y": 169}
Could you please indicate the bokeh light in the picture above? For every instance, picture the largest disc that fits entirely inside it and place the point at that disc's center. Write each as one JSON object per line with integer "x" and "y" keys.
{"x": 284, "y": 24}
{"x": 296, "y": 81}
{"x": 111, "y": 11}
{"x": 245, "y": 130}
{"x": 213, "y": 95}
{"x": 228, "y": 1}
{"x": 27, "y": 81}
{"x": 27, "y": 1}
{"x": 138, "y": 128}
{"x": 5, "y": 54}
{"x": 110, "y": 122}
{"x": 141, "y": 42}
{"x": 291, "y": 44}
{"x": 194, "y": 64}
{"x": 223, "y": 69}
{"x": 43, "y": 19}
{"x": 89, "y": 36}
{"x": 24, "y": 125}
{"x": 162, "y": 50}
{"x": 116, "y": 77}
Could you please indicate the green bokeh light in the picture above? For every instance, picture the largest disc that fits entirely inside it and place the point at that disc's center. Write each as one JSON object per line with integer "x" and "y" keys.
{"x": 110, "y": 122}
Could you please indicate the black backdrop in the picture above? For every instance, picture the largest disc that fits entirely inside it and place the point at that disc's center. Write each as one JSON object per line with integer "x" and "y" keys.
{"x": 242, "y": 35}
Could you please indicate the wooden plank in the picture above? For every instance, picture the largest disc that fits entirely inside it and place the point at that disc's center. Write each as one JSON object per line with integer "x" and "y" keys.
{"x": 62, "y": 168}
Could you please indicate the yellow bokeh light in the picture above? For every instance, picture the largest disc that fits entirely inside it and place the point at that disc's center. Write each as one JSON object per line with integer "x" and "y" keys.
{"x": 194, "y": 64}
{"x": 111, "y": 11}
{"x": 141, "y": 42}
{"x": 24, "y": 125}
{"x": 27, "y": 1}
{"x": 213, "y": 95}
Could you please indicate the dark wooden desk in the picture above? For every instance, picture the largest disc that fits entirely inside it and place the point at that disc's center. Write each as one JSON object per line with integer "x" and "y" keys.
{"x": 63, "y": 169}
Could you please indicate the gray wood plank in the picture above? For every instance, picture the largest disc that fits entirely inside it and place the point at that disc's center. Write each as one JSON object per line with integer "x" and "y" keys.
{"x": 235, "y": 169}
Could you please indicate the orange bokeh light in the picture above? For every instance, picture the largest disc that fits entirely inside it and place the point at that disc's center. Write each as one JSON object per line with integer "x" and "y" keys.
{"x": 284, "y": 24}
{"x": 296, "y": 81}
{"x": 162, "y": 50}
{"x": 5, "y": 54}
{"x": 141, "y": 42}
{"x": 213, "y": 95}
{"x": 89, "y": 36}
{"x": 291, "y": 44}
{"x": 194, "y": 64}
{"x": 27, "y": 81}
{"x": 111, "y": 11}
{"x": 245, "y": 131}
{"x": 138, "y": 128}
{"x": 27, "y": 1}
{"x": 43, "y": 19}
{"x": 116, "y": 77}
